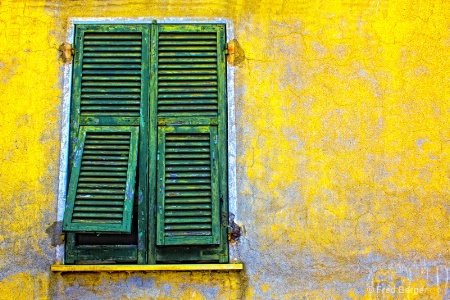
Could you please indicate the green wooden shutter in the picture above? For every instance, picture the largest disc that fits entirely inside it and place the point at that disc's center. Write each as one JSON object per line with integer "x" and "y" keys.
{"x": 101, "y": 188}
{"x": 110, "y": 88}
{"x": 189, "y": 70}
{"x": 188, "y": 190}
{"x": 189, "y": 91}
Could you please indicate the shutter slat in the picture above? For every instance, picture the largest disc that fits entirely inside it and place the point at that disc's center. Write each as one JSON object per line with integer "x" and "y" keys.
{"x": 187, "y": 66}
{"x": 96, "y": 222}
{"x": 88, "y": 113}
{"x": 181, "y": 83}
{"x": 193, "y": 108}
{"x": 110, "y": 108}
{"x": 106, "y": 208}
{"x": 185, "y": 213}
{"x": 122, "y": 147}
{"x": 104, "y": 42}
{"x": 173, "y": 103}
{"x": 187, "y": 149}
{"x": 98, "y": 203}
{"x": 108, "y": 158}
{"x": 100, "y": 198}
{"x": 112, "y": 82}
{"x": 187, "y": 233}
{"x": 111, "y": 102}
{"x": 115, "y": 90}
{"x": 110, "y": 96}
{"x": 103, "y": 174}
{"x": 105, "y": 142}
{"x": 191, "y": 72}
{"x": 169, "y": 220}
{"x": 113, "y": 152}
{"x": 103, "y": 168}
{"x": 164, "y": 60}
{"x": 183, "y": 47}
{"x": 188, "y": 137}
{"x": 100, "y": 215}
{"x": 187, "y": 187}
{"x": 112, "y": 54}
{"x": 124, "y": 48}
{"x": 112, "y": 36}
{"x": 112, "y": 72}
{"x": 190, "y": 95}
{"x": 112, "y": 66}
{"x": 187, "y": 144}
{"x": 183, "y": 181}
{"x": 188, "y": 194}
{"x": 187, "y": 90}
{"x": 102, "y": 185}
{"x": 101, "y": 191}
{"x": 186, "y": 226}
{"x": 188, "y": 36}
{"x": 183, "y": 78}
{"x": 188, "y": 206}
{"x": 115, "y": 78}
{"x": 187, "y": 200}
{"x": 96, "y": 179}
{"x": 169, "y": 42}
{"x": 186, "y": 156}
{"x": 186, "y": 163}
{"x": 174, "y": 171}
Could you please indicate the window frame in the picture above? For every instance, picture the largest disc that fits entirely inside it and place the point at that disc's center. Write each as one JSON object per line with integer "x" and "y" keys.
{"x": 231, "y": 168}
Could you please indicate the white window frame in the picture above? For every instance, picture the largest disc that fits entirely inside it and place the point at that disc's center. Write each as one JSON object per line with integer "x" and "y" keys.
{"x": 65, "y": 113}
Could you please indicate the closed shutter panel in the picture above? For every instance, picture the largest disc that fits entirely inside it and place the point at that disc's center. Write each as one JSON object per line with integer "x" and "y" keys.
{"x": 190, "y": 94}
{"x": 111, "y": 74}
{"x": 187, "y": 73}
{"x": 188, "y": 185}
{"x": 109, "y": 89}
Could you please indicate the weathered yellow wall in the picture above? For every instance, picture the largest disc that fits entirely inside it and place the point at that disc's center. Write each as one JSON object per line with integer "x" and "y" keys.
{"x": 343, "y": 133}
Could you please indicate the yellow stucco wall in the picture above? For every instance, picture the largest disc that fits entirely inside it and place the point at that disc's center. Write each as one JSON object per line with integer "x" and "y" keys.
{"x": 343, "y": 158}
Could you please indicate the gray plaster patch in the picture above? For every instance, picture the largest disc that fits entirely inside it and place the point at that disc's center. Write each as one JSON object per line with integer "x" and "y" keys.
{"x": 420, "y": 142}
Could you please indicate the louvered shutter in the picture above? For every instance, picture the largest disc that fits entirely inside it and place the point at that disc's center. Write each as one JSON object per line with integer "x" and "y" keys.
{"x": 190, "y": 96}
{"x": 188, "y": 72}
{"x": 188, "y": 185}
{"x": 109, "y": 88}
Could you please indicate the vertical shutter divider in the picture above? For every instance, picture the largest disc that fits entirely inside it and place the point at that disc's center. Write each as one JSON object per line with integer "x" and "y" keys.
{"x": 153, "y": 142}
{"x": 161, "y": 157}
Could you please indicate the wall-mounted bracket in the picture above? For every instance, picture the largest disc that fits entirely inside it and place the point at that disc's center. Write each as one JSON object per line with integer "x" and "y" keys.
{"x": 67, "y": 52}
{"x": 235, "y": 54}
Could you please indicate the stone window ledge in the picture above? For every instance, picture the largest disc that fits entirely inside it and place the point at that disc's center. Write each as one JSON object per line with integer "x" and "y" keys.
{"x": 146, "y": 268}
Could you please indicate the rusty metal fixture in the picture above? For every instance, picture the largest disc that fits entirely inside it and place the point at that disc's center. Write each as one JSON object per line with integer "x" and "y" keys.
{"x": 66, "y": 52}
{"x": 234, "y": 230}
{"x": 236, "y": 54}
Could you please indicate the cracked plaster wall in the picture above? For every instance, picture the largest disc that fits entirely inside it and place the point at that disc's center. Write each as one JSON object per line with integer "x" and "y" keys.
{"x": 343, "y": 154}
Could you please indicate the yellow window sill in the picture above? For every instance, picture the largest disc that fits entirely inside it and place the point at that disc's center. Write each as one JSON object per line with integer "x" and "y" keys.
{"x": 137, "y": 268}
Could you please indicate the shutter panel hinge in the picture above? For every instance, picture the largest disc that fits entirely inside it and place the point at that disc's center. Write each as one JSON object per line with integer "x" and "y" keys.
{"x": 235, "y": 53}
{"x": 67, "y": 52}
